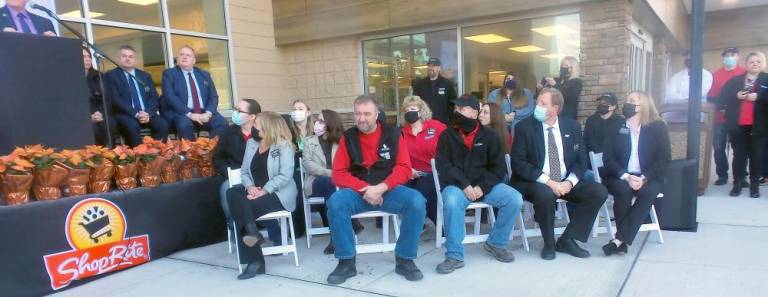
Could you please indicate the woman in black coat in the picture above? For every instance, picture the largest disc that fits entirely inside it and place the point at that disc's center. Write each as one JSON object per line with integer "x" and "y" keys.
{"x": 96, "y": 101}
{"x": 570, "y": 85}
{"x": 635, "y": 157}
{"x": 744, "y": 100}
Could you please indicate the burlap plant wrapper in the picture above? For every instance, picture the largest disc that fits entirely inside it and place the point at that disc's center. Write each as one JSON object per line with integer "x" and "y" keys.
{"x": 170, "y": 171}
{"x": 149, "y": 172}
{"x": 205, "y": 164}
{"x": 187, "y": 170}
{"x": 125, "y": 176}
{"x": 76, "y": 183}
{"x": 101, "y": 177}
{"x": 16, "y": 188}
{"x": 47, "y": 182}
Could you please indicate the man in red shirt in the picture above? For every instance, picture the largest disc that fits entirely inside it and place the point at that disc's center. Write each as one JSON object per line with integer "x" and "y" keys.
{"x": 730, "y": 69}
{"x": 370, "y": 168}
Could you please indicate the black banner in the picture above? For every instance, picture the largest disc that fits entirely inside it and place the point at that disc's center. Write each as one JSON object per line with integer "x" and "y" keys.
{"x": 52, "y": 245}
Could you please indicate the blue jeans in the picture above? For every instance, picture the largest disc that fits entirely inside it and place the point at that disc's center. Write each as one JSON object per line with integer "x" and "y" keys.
{"x": 502, "y": 196}
{"x": 273, "y": 228}
{"x": 401, "y": 200}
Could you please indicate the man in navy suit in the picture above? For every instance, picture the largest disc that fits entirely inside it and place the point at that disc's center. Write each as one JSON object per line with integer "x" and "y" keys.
{"x": 134, "y": 99}
{"x": 548, "y": 162}
{"x": 14, "y": 17}
{"x": 190, "y": 98}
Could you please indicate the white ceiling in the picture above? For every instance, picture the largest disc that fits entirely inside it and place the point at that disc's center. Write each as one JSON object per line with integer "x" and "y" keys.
{"x": 713, "y": 5}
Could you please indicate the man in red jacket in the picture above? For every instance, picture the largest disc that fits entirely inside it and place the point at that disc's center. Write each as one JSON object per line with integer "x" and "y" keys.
{"x": 730, "y": 69}
{"x": 370, "y": 168}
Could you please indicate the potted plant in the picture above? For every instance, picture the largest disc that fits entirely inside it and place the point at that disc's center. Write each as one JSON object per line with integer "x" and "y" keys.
{"x": 102, "y": 168}
{"x": 125, "y": 160}
{"x": 16, "y": 176}
{"x": 48, "y": 174}
{"x": 150, "y": 162}
{"x": 79, "y": 165}
{"x": 170, "y": 154}
{"x": 203, "y": 153}
{"x": 188, "y": 163}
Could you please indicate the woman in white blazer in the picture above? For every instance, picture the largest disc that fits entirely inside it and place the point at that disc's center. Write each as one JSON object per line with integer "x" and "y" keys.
{"x": 267, "y": 186}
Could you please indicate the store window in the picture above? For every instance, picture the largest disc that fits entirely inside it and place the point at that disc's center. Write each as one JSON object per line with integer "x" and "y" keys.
{"x": 529, "y": 48}
{"x": 149, "y": 48}
{"x": 391, "y": 64}
{"x": 213, "y": 56}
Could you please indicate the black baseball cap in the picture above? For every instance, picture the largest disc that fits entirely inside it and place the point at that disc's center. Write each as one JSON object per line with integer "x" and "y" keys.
{"x": 434, "y": 61}
{"x": 730, "y": 50}
{"x": 610, "y": 97}
{"x": 467, "y": 100}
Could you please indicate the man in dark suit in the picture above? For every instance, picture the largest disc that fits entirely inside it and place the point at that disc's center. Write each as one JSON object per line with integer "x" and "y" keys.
{"x": 134, "y": 99}
{"x": 548, "y": 163}
{"x": 14, "y": 17}
{"x": 190, "y": 98}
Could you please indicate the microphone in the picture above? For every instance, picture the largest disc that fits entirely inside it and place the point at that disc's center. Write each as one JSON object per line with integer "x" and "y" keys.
{"x": 43, "y": 8}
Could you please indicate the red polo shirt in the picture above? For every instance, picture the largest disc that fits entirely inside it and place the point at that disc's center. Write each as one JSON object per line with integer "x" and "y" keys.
{"x": 369, "y": 144}
{"x": 423, "y": 146}
{"x": 719, "y": 78}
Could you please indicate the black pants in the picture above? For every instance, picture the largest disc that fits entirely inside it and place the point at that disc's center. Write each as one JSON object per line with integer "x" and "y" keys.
{"x": 747, "y": 145}
{"x": 246, "y": 211}
{"x": 426, "y": 186}
{"x": 130, "y": 128}
{"x": 719, "y": 142}
{"x": 587, "y": 198}
{"x": 630, "y": 216}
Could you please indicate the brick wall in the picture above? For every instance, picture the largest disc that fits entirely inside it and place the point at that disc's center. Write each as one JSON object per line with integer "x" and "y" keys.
{"x": 604, "y": 51}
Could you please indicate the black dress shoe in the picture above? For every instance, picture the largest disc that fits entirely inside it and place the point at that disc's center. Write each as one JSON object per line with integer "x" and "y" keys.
{"x": 569, "y": 246}
{"x": 252, "y": 235}
{"x": 736, "y": 191}
{"x": 329, "y": 250}
{"x": 754, "y": 189}
{"x": 253, "y": 269}
{"x": 408, "y": 269}
{"x": 721, "y": 181}
{"x": 344, "y": 270}
{"x": 548, "y": 253}
{"x": 611, "y": 248}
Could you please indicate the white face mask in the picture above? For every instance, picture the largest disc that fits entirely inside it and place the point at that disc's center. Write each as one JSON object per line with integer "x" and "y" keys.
{"x": 298, "y": 115}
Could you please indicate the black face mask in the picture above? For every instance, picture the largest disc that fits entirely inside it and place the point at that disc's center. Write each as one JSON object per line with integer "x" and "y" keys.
{"x": 602, "y": 109}
{"x": 464, "y": 123}
{"x": 564, "y": 72}
{"x": 629, "y": 110}
{"x": 411, "y": 116}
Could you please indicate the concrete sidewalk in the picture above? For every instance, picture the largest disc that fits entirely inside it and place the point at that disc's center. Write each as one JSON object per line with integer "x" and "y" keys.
{"x": 726, "y": 257}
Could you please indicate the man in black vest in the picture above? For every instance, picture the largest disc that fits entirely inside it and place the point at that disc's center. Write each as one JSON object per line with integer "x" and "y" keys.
{"x": 436, "y": 90}
{"x": 370, "y": 168}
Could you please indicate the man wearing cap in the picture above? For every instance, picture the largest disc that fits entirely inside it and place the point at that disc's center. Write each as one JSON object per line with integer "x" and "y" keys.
{"x": 471, "y": 168}
{"x": 14, "y": 17}
{"x": 438, "y": 91}
{"x": 730, "y": 69}
{"x": 599, "y": 125}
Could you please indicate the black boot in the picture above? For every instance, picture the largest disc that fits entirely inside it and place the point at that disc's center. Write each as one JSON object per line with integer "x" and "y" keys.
{"x": 407, "y": 268}
{"x": 252, "y": 235}
{"x": 737, "y": 185}
{"x": 754, "y": 189}
{"x": 254, "y": 268}
{"x": 344, "y": 270}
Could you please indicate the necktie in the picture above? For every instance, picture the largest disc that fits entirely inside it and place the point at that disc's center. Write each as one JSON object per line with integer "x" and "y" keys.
{"x": 195, "y": 97}
{"x": 134, "y": 95}
{"x": 23, "y": 21}
{"x": 554, "y": 157}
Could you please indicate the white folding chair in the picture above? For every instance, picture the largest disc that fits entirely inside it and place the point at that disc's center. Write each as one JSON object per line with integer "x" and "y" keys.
{"x": 596, "y": 159}
{"x": 520, "y": 220}
{"x": 308, "y": 202}
{"x": 385, "y": 245}
{"x": 283, "y": 216}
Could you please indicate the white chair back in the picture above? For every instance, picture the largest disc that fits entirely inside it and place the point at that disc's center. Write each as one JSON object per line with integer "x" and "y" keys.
{"x": 596, "y": 160}
{"x": 234, "y": 177}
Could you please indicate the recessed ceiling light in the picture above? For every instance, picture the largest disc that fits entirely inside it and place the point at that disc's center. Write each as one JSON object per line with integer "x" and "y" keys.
{"x": 420, "y": 67}
{"x": 487, "y": 38}
{"x": 527, "y": 49}
{"x": 139, "y": 2}
{"x": 553, "y": 56}
{"x": 377, "y": 65}
{"x": 553, "y": 30}
{"x": 77, "y": 14}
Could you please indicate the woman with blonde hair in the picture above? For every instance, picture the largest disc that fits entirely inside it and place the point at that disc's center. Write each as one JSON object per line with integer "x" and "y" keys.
{"x": 636, "y": 155}
{"x": 570, "y": 85}
{"x": 301, "y": 123}
{"x": 744, "y": 100}
{"x": 267, "y": 186}
{"x": 420, "y": 134}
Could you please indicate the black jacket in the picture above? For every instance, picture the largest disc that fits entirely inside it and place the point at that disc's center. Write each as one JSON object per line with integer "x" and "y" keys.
{"x": 571, "y": 90}
{"x": 482, "y": 166}
{"x": 439, "y": 95}
{"x": 596, "y": 130}
{"x": 95, "y": 97}
{"x": 729, "y": 102}
{"x": 230, "y": 150}
{"x": 653, "y": 150}
{"x": 41, "y": 24}
{"x": 528, "y": 151}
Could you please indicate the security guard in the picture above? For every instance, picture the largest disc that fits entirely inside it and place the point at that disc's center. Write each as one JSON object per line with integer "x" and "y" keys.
{"x": 438, "y": 91}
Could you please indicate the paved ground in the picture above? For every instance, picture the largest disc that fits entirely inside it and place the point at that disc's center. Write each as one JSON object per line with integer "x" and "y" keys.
{"x": 726, "y": 257}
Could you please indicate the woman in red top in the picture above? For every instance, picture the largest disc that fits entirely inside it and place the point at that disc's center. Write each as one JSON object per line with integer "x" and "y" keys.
{"x": 744, "y": 100}
{"x": 420, "y": 134}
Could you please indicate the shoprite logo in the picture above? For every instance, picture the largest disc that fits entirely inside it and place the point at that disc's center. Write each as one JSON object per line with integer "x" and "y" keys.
{"x": 95, "y": 230}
